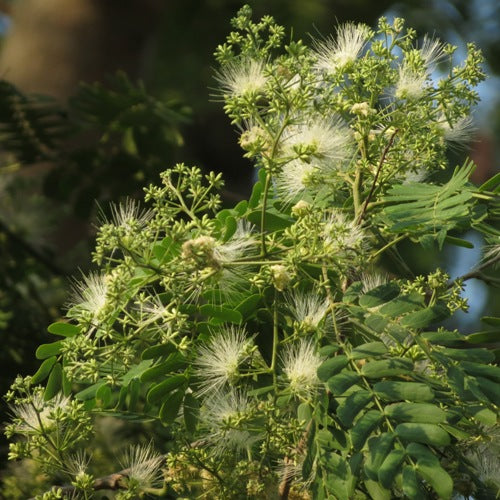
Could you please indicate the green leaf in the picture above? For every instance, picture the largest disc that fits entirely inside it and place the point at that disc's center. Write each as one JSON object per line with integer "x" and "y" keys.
{"x": 253, "y": 202}
{"x": 173, "y": 363}
{"x": 491, "y": 184}
{"x": 353, "y": 292}
{"x": 387, "y": 368}
{"x": 364, "y": 427}
{"x": 43, "y": 372}
{"x": 378, "y": 449}
{"x": 332, "y": 366}
{"x": 402, "y": 305}
{"x": 423, "y": 318}
{"x": 134, "y": 391}
{"x": 338, "y": 384}
{"x": 248, "y": 306}
{"x": 415, "y": 412}
{"x": 309, "y": 461}
{"x": 135, "y": 371}
{"x": 390, "y": 467}
{"x": 349, "y": 408}
{"x": 274, "y": 221}
{"x": 191, "y": 412}
{"x": 328, "y": 350}
{"x": 220, "y": 314}
{"x": 63, "y": 329}
{"x": 230, "y": 228}
{"x": 430, "y": 210}
{"x": 47, "y": 350}
{"x": 338, "y": 477}
{"x": 458, "y": 242}
{"x": 430, "y": 469}
{"x": 485, "y": 416}
{"x": 423, "y": 433}
{"x": 304, "y": 412}
{"x": 379, "y": 295}
{"x": 371, "y": 349}
{"x": 472, "y": 354}
{"x": 491, "y": 320}
{"x": 159, "y": 392}
{"x": 486, "y": 337}
{"x": 489, "y": 371}
{"x": 89, "y": 392}
{"x": 411, "y": 485}
{"x": 54, "y": 383}
{"x": 401, "y": 391}
{"x": 171, "y": 406}
{"x": 442, "y": 337}
{"x": 376, "y": 491}
{"x": 490, "y": 389}
{"x": 103, "y": 395}
{"x": 156, "y": 351}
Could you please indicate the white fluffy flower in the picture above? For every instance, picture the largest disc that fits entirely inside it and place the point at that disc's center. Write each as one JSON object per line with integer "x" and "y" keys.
{"x": 307, "y": 308}
{"x": 432, "y": 52}
{"x": 335, "y": 53}
{"x": 241, "y": 244}
{"x": 458, "y": 133}
{"x": 90, "y": 294}
{"x": 242, "y": 78}
{"x": 300, "y": 363}
{"x": 129, "y": 215}
{"x": 224, "y": 414}
{"x": 143, "y": 466}
{"x": 293, "y": 179}
{"x": 342, "y": 234}
{"x": 326, "y": 140}
{"x": 218, "y": 361}
{"x": 411, "y": 83}
{"x": 373, "y": 280}
{"x": 36, "y": 415}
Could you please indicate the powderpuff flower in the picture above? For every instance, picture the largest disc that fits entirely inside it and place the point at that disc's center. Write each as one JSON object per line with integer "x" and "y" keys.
{"x": 242, "y": 78}
{"x": 307, "y": 308}
{"x": 342, "y": 234}
{"x": 432, "y": 52}
{"x": 411, "y": 83}
{"x": 294, "y": 179}
{"x": 300, "y": 363}
{"x": 90, "y": 294}
{"x": 143, "y": 467}
{"x": 335, "y": 53}
{"x": 218, "y": 361}
{"x": 240, "y": 245}
{"x": 38, "y": 414}
{"x": 322, "y": 140}
{"x": 224, "y": 414}
{"x": 459, "y": 133}
{"x": 373, "y": 280}
{"x": 76, "y": 465}
{"x": 129, "y": 215}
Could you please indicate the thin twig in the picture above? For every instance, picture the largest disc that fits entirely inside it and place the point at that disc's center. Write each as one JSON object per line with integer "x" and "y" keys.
{"x": 377, "y": 173}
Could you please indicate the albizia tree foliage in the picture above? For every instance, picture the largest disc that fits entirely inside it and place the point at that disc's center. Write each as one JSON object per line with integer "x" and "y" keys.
{"x": 283, "y": 348}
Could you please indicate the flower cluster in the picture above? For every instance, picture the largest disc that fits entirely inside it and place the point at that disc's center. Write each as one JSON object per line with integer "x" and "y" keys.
{"x": 268, "y": 338}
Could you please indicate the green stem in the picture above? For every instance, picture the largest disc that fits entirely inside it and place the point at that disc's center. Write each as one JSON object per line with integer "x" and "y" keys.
{"x": 388, "y": 245}
{"x": 267, "y": 185}
{"x": 275, "y": 338}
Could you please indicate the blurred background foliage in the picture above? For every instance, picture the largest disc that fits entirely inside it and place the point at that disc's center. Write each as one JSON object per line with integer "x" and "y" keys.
{"x": 99, "y": 97}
